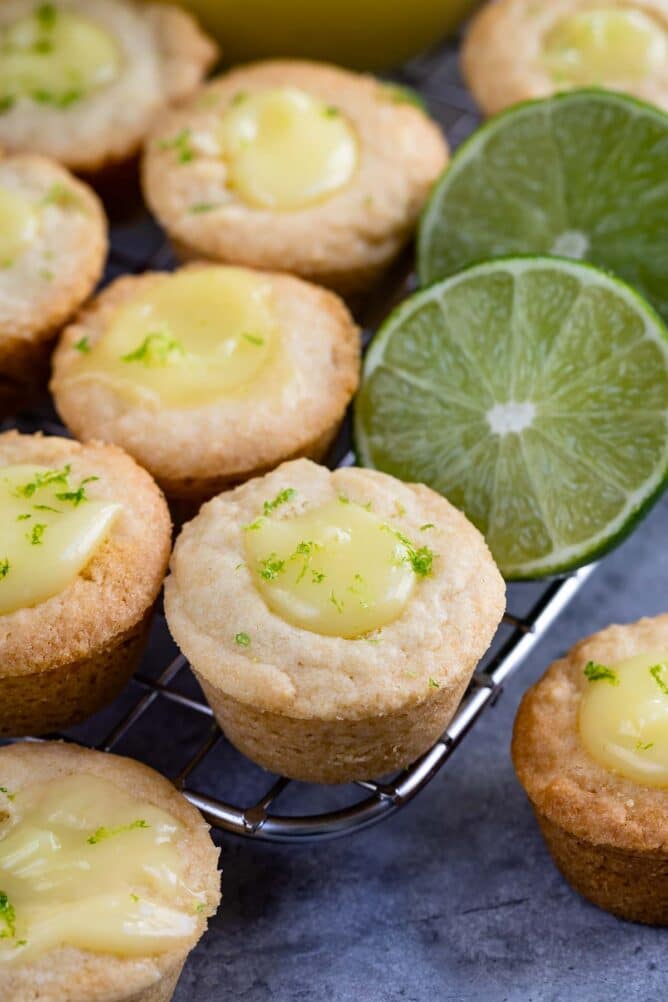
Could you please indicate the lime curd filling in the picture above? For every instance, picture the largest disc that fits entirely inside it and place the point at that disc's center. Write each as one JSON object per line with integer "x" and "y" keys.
{"x": 286, "y": 149}
{"x": 84, "y": 864}
{"x": 49, "y": 531}
{"x": 19, "y": 225}
{"x": 624, "y": 717}
{"x": 603, "y": 44}
{"x": 194, "y": 338}
{"x": 335, "y": 569}
{"x": 55, "y": 57}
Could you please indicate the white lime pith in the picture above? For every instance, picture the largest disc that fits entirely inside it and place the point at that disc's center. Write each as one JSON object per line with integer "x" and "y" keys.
{"x": 511, "y": 416}
{"x": 571, "y": 243}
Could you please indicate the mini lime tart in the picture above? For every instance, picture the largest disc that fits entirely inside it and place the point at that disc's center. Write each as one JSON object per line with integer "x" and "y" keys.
{"x": 294, "y": 165}
{"x": 566, "y": 44}
{"x": 107, "y": 877}
{"x": 53, "y": 244}
{"x": 209, "y": 375}
{"x": 590, "y": 748}
{"x": 333, "y": 619}
{"x": 84, "y": 543}
{"x": 82, "y": 81}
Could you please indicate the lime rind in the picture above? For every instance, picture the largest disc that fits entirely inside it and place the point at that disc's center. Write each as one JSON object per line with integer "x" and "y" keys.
{"x": 589, "y": 199}
{"x": 465, "y": 464}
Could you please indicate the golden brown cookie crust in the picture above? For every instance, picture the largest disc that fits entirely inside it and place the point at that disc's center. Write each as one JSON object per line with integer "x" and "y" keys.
{"x": 502, "y": 73}
{"x": 561, "y": 779}
{"x": 337, "y": 751}
{"x": 607, "y": 834}
{"x": 165, "y": 57}
{"x": 343, "y": 242}
{"x": 321, "y": 707}
{"x": 51, "y": 701}
{"x": 195, "y": 452}
{"x": 116, "y": 590}
{"x": 633, "y": 886}
{"x": 71, "y": 975}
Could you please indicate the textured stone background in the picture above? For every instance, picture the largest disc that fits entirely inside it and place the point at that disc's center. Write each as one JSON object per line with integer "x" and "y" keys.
{"x": 454, "y": 897}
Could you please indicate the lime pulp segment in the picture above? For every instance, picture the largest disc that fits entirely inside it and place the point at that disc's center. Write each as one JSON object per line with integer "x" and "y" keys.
{"x": 533, "y": 394}
{"x": 582, "y": 175}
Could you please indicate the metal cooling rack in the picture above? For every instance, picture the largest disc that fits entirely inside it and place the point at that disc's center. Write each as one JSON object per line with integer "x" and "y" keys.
{"x": 162, "y": 717}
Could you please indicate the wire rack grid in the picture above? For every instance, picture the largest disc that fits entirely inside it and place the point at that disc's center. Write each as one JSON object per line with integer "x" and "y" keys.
{"x": 162, "y": 717}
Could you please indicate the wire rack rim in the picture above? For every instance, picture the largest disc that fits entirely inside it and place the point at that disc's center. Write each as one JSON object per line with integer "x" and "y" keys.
{"x": 385, "y": 797}
{"x": 258, "y": 820}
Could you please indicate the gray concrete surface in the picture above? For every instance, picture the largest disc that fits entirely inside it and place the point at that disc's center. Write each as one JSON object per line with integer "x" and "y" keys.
{"x": 454, "y": 897}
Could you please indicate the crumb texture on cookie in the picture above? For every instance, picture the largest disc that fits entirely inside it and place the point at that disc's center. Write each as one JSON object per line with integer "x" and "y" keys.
{"x": 215, "y": 198}
{"x": 337, "y": 750}
{"x": 66, "y": 973}
{"x": 84, "y": 79}
{"x": 285, "y": 394}
{"x": 433, "y": 645}
{"x": 567, "y": 44}
{"x": 566, "y": 785}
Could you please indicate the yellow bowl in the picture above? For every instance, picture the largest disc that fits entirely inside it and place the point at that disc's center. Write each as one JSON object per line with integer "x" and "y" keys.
{"x": 365, "y": 34}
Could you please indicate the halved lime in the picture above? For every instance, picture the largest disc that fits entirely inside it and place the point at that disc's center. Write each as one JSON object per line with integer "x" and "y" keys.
{"x": 581, "y": 175}
{"x": 533, "y": 394}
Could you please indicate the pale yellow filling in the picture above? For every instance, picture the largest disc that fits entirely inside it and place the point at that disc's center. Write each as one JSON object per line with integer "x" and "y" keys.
{"x": 624, "y": 718}
{"x": 49, "y": 531}
{"x": 55, "y": 57}
{"x": 286, "y": 149}
{"x": 195, "y": 337}
{"x": 19, "y": 225}
{"x": 84, "y": 864}
{"x": 605, "y": 44}
{"x": 336, "y": 569}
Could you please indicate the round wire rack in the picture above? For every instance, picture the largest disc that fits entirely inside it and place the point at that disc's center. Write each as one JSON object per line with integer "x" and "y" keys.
{"x": 162, "y": 717}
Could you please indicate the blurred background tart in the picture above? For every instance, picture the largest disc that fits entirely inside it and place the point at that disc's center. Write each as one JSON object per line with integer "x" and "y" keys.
{"x": 83, "y": 80}
{"x": 84, "y": 543}
{"x": 122, "y": 877}
{"x": 53, "y": 245}
{"x": 297, "y": 166}
{"x": 566, "y": 44}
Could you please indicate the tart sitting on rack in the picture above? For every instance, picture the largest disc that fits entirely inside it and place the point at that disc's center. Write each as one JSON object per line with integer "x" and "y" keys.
{"x": 590, "y": 747}
{"x": 209, "y": 375}
{"x": 333, "y": 619}
{"x": 565, "y": 44}
{"x": 53, "y": 244}
{"x": 296, "y": 166}
{"x": 84, "y": 544}
{"x": 108, "y": 877}
{"x": 83, "y": 80}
